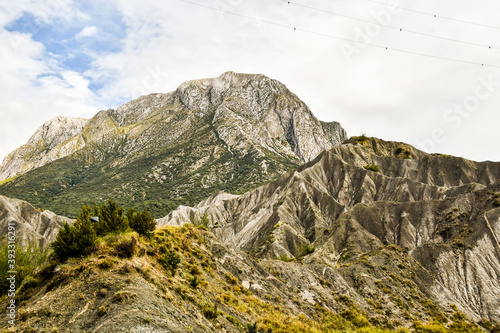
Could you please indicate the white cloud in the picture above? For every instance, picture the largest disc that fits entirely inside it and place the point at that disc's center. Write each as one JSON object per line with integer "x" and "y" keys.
{"x": 32, "y": 91}
{"x": 45, "y": 11}
{"x": 88, "y": 31}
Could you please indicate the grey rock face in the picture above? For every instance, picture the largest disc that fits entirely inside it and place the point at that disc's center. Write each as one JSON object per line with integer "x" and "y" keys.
{"x": 31, "y": 224}
{"x": 441, "y": 209}
{"x": 258, "y": 110}
{"x": 57, "y": 138}
{"x": 248, "y": 112}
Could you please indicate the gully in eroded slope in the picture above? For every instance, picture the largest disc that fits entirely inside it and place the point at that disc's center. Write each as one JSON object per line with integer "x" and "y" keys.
{"x": 355, "y": 200}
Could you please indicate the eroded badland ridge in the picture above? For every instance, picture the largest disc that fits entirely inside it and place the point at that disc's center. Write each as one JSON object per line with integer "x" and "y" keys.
{"x": 362, "y": 196}
{"x": 370, "y": 235}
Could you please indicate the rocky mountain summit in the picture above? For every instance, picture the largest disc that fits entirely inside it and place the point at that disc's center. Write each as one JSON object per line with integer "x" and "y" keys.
{"x": 343, "y": 209}
{"x": 57, "y": 138}
{"x": 230, "y": 133}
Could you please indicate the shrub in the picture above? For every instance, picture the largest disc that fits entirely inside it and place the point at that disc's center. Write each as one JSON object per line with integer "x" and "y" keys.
{"x": 195, "y": 270}
{"x": 126, "y": 249}
{"x": 355, "y": 317}
{"x": 123, "y": 296}
{"x": 111, "y": 218}
{"x": 72, "y": 241}
{"x": 252, "y": 328}
{"x": 142, "y": 222}
{"x": 489, "y": 326}
{"x": 428, "y": 328}
{"x": 194, "y": 281}
{"x": 202, "y": 223}
{"x": 232, "y": 320}
{"x": 372, "y": 167}
{"x": 210, "y": 312}
{"x": 306, "y": 249}
{"x": 231, "y": 279}
{"x": 361, "y": 139}
{"x": 28, "y": 283}
{"x": 29, "y": 259}
{"x": 102, "y": 311}
{"x": 286, "y": 258}
{"x": 171, "y": 261}
{"x": 496, "y": 203}
{"x": 403, "y": 153}
{"x": 460, "y": 323}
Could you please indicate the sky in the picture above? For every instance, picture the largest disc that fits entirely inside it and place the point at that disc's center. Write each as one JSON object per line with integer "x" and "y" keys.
{"x": 422, "y": 72}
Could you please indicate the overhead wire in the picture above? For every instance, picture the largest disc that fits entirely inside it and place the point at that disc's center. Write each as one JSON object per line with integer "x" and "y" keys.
{"x": 438, "y": 16}
{"x": 401, "y": 29}
{"x": 338, "y": 37}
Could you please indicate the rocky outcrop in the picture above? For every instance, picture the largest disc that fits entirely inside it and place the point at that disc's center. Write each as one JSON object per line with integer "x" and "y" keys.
{"x": 231, "y": 133}
{"x": 247, "y": 110}
{"x": 31, "y": 224}
{"x": 367, "y": 194}
{"x": 57, "y": 138}
{"x": 254, "y": 110}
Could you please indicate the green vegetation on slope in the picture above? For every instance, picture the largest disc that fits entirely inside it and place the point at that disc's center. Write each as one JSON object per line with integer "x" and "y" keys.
{"x": 27, "y": 260}
{"x": 184, "y": 174}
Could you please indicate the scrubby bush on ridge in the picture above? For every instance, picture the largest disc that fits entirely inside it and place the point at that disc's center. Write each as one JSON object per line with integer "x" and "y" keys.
{"x": 141, "y": 222}
{"x": 74, "y": 240}
{"x": 78, "y": 239}
{"x": 29, "y": 259}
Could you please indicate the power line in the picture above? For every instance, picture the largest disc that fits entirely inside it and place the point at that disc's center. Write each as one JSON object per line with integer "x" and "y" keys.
{"x": 391, "y": 26}
{"x": 438, "y": 16}
{"x": 341, "y": 38}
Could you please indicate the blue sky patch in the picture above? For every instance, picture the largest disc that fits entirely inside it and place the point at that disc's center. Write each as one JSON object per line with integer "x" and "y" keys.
{"x": 64, "y": 45}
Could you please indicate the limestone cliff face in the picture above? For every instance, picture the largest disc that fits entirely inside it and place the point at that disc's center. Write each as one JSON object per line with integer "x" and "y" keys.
{"x": 55, "y": 139}
{"x": 248, "y": 113}
{"x": 442, "y": 210}
{"x": 254, "y": 110}
{"x": 232, "y": 133}
{"x": 31, "y": 224}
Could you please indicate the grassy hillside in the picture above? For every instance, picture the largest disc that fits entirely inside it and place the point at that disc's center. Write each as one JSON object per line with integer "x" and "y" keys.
{"x": 128, "y": 284}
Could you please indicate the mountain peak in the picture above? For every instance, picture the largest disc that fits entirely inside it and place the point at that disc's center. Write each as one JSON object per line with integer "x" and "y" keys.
{"x": 44, "y": 146}
{"x": 236, "y": 79}
{"x": 216, "y": 134}
{"x": 57, "y": 130}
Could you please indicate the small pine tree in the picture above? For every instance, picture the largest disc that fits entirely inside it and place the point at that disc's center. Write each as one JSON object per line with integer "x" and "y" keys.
{"x": 73, "y": 240}
{"x": 85, "y": 229}
{"x": 65, "y": 244}
{"x": 111, "y": 219}
{"x": 142, "y": 222}
{"x": 171, "y": 261}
